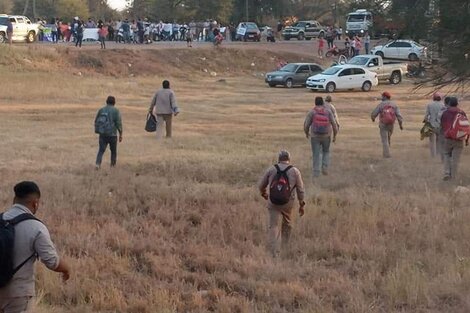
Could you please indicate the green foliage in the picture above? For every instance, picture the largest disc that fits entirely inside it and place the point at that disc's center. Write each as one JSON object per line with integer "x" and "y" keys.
{"x": 6, "y": 6}
{"x": 67, "y": 9}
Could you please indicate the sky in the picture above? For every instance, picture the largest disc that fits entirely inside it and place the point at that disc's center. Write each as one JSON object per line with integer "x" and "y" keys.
{"x": 117, "y": 4}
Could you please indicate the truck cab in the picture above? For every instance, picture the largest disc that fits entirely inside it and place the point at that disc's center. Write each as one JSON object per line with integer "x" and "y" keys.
{"x": 391, "y": 71}
{"x": 23, "y": 28}
{"x": 304, "y": 30}
{"x": 359, "y": 22}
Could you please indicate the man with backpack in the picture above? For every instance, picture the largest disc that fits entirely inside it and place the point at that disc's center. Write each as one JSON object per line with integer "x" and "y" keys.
{"x": 319, "y": 125}
{"x": 108, "y": 124}
{"x": 388, "y": 113}
{"x": 164, "y": 107}
{"x": 281, "y": 180}
{"x": 456, "y": 130}
{"x": 24, "y": 239}
{"x": 432, "y": 116}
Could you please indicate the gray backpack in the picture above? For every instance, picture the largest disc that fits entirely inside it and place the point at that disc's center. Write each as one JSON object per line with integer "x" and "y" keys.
{"x": 104, "y": 124}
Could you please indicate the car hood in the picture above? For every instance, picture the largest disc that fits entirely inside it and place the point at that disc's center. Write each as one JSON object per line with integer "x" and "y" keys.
{"x": 292, "y": 28}
{"x": 321, "y": 76}
{"x": 377, "y": 48}
{"x": 278, "y": 73}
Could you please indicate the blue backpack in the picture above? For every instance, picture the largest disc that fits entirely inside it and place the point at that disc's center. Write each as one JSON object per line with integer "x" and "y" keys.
{"x": 104, "y": 124}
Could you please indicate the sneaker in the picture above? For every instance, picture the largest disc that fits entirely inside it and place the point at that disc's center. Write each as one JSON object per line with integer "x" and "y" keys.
{"x": 447, "y": 178}
{"x": 97, "y": 167}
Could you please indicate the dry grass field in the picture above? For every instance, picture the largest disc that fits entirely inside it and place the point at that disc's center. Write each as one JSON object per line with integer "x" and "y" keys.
{"x": 179, "y": 226}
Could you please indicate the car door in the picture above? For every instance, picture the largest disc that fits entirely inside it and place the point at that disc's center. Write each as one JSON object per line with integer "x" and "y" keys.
{"x": 315, "y": 69}
{"x": 21, "y": 27}
{"x": 301, "y": 75}
{"x": 404, "y": 50}
{"x": 357, "y": 78}
{"x": 344, "y": 79}
{"x": 391, "y": 50}
{"x": 374, "y": 66}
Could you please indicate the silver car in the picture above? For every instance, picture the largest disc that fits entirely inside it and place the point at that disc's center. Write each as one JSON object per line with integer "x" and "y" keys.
{"x": 293, "y": 74}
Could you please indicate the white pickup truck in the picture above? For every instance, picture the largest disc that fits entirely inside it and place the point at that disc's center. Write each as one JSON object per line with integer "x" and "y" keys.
{"x": 391, "y": 71}
{"x": 23, "y": 28}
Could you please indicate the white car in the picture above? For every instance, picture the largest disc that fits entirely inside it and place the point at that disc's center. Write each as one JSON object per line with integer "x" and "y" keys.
{"x": 343, "y": 77}
{"x": 401, "y": 49}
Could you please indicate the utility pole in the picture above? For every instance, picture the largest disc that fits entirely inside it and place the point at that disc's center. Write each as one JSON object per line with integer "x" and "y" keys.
{"x": 246, "y": 10}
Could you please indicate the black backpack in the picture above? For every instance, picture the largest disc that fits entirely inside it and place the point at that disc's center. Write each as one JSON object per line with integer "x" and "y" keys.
{"x": 280, "y": 191}
{"x": 7, "y": 240}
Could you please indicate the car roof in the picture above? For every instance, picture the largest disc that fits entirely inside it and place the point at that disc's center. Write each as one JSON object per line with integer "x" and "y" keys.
{"x": 345, "y": 66}
{"x": 309, "y": 21}
{"x": 304, "y": 64}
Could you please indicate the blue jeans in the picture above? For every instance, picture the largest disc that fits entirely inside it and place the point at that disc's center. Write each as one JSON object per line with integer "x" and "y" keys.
{"x": 321, "y": 154}
{"x": 104, "y": 141}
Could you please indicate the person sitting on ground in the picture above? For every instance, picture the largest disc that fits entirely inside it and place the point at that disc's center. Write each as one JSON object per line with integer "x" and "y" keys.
{"x": 31, "y": 241}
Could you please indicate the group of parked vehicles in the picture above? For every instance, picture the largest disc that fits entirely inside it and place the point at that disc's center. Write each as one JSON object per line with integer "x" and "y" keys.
{"x": 361, "y": 72}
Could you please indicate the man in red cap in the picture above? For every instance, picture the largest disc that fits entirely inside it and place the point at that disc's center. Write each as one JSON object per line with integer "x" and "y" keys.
{"x": 433, "y": 115}
{"x": 388, "y": 113}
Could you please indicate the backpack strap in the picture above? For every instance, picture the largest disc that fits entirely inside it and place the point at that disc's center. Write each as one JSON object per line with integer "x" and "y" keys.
{"x": 287, "y": 169}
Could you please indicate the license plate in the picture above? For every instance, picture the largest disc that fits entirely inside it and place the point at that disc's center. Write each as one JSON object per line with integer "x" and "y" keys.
{"x": 251, "y": 36}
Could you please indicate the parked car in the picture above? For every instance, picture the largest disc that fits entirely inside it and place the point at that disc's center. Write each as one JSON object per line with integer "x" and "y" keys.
{"x": 292, "y": 74}
{"x": 23, "y": 28}
{"x": 401, "y": 49}
{"x": 386, "y": 70}
{"x": 303, "y": 30}
{"x": 248, "y": 31}
{"x": 343, "y": 77}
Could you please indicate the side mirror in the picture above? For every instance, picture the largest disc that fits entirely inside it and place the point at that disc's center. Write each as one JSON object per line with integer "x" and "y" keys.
{"x": 371, "y": 64}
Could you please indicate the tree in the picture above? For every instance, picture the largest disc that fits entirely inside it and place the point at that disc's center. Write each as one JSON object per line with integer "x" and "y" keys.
{"x": 68, "y": 9}
{"x": 6, "y": 6}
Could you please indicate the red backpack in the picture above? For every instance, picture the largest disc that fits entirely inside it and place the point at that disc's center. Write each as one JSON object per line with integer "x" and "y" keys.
{"x": 388, "y": 115}
{"x": 280, "y": 191}
{"x": 320, "y": 121}
{"x": 460, "y": 128}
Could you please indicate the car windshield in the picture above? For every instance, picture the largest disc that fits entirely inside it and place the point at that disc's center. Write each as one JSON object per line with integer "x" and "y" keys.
{"x": 300, "y": 24}
{"x": 251, "y": 26}
{"x": 359, "y": 61}
{"x": 3, "y": 20}
{"x": 289, "y": 68}
{"x": 356, "y": 18}
{"x": 331, "y": 71}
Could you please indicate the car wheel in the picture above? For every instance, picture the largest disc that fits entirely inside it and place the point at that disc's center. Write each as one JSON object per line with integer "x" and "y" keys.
{"x": 330, "y": 87}
{"x": 367, "y": 86}
{"x": 289, "y": 83}
{"x": 413, "y": 57}
{"x": 3, "y": 37}
{"x": 272, "y": 85}
{"x": 287, "y": 38}
{"x": 380, "y": 54}
{"x": 31, "y": 37}
{"x": 301, "y": 36}
{"x": 395, "y": 79}
{"x": 308, "y": 38}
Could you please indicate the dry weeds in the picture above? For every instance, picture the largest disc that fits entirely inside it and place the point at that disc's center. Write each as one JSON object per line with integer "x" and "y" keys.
{"x": 179, "y": 227}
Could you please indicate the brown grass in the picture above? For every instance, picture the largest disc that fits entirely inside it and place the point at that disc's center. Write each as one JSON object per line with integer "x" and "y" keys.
{"x": 179, "y": 227}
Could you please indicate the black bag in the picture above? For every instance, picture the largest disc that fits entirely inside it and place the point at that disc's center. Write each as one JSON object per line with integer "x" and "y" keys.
{"x": 7, "y": 240}
{"x": 151, "y": 124}
{"x": 280, "y": 191}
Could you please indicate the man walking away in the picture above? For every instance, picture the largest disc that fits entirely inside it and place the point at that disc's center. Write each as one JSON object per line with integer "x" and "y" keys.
{"x": 318, "y": 126}
{"x": 163, "y": 107}
{"x": 367, "y": 42}
{"x": 79, "y": 32}
{"x": 389, "y": 113}
{"x": 456, "y": 128}
{"x": 24, "y": 239}
{"x": 329, "y": 105}
{"x": 107, "y": 124}
{"x": 10, "y": 31}
{"x": 281, "y": 179}
{"x": 434, "y": 111}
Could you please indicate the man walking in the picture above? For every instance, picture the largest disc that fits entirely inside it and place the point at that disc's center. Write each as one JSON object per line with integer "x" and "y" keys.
{"x": 456, "y": 130}
{"x": 389, "y": 113}
{"x": 108, "y": 124}
{"x": 319, "y": 125}
{"x": 329, "y": 105}
{"x": 10, "y": 31}
{"x": 434, "y": 111}
{"x": 281, "y": 179}
{"x": 163, "y": 107}
{"x": 31, "y": 241}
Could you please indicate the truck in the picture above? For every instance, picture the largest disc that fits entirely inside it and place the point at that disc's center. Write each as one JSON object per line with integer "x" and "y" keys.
{"x": 23, "y": 28}
{"x": 386, "y": 71}
{"x": 303, "y": 30}
{"x": 359, "y": 22}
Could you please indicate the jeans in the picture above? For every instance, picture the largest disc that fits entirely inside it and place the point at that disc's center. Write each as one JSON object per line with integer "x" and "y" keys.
{"x": 104, "y": 141}
{"x": 386, "y": 132}
{"x": 452, "y": 152}
{"x": 366, "y": 46}
{"x": 55, "y": 37}
{"x": 167, "y": 118}
{"x": 321, "y": 154}
{"x": 79, "y": 40}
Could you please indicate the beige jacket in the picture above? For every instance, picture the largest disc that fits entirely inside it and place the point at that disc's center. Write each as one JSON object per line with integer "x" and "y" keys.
{"x": 295, "y": 181}
{"x": 164, "y": 102}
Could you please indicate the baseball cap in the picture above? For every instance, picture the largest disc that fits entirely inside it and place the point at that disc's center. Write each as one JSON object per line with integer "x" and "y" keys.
{"x": 387, "y": 95}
